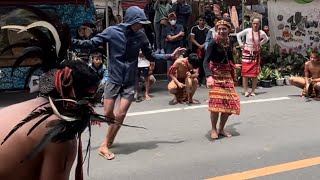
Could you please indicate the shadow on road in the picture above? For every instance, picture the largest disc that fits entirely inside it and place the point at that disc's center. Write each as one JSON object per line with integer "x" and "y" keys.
{"x": 229, "y": 128}
{"x": 128, "y": 148}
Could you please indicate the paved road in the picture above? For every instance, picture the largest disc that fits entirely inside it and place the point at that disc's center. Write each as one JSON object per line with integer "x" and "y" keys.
{"x": 275, "y": 127}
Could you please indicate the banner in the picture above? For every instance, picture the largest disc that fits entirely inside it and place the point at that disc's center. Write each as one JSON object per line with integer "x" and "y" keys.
{"x": 294, "y": 26}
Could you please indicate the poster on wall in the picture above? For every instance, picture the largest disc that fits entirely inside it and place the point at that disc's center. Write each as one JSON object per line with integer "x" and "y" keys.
{"x": 294, "y": 25}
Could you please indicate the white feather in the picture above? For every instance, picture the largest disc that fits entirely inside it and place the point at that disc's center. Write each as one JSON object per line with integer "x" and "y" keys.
{"x": 56, "y": 112}
{"x": 13, "y": 27}
{"x": 50, "y": 27}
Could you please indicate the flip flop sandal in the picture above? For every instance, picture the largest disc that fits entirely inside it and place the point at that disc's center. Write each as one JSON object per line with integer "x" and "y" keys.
{"x": 104, "y": 156}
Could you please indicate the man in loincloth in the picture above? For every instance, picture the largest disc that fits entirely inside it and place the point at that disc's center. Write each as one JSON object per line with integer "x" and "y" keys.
{"x": 184, "y": 73}
{"x": 254, "y": 39}
{"x": 310, "y": 83}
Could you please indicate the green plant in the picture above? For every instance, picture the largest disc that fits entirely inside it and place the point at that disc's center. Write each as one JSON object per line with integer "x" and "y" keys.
{"x": 277, "y": 74}
{"x": 266, "y": 73}
{"x": 292, "y": 64}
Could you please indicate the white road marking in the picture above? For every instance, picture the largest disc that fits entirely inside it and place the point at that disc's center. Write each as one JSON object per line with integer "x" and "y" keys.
{"x": 202, "y": 106}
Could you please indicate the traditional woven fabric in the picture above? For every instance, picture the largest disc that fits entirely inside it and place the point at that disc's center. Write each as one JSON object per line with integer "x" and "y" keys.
{"x": 223, "y": 96}
{"x": 250, "y": 63}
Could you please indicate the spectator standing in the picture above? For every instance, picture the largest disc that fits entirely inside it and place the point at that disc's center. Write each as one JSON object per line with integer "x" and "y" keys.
{"x": 198, "y": 37}
{"x": 173, "y": 35}
{"x": 209, "y": 15}
{"x": 162, "y": 8}
{"x": 183, "y": 12}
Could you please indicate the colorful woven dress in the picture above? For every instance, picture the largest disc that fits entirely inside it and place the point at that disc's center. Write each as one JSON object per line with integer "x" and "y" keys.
{"x": 219, "y": 64}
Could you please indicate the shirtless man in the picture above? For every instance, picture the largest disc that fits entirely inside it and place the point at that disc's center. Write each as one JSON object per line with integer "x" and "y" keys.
{"x": 55, "y": 160}
{"x": 184, "y": 73}
{"x": 311, "y": 76}
{"x": 48, "y": 152}
{"x": 53, "y": 163}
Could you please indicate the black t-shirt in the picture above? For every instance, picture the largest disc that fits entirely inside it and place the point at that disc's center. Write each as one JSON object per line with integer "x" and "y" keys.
{"x": 215, "y": 53}
{"x": 199, "y": 36}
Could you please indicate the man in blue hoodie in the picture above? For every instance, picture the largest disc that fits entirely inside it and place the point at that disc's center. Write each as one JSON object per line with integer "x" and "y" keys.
{"x": 125, "y": 40}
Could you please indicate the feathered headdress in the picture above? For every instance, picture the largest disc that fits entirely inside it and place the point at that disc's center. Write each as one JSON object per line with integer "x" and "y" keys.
{"x": 65, "y": 83}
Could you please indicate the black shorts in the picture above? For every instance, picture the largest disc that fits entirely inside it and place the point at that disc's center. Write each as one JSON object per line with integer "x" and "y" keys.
{"x": 143, "y": 71}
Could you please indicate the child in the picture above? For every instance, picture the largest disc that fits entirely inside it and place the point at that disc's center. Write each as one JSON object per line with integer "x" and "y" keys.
{"x": 145, "y": 69}
{"x": 97, "y": 65}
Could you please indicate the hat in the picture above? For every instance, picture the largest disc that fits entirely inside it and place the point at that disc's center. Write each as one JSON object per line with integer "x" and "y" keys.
{"x": 134, "y": 14}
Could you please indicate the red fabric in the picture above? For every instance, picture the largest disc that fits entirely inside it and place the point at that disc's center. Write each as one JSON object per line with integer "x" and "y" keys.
{"x": 127, "y": 3}
{"x": 64, "y": 82}
{"x": 250, "y": 69}
{"x": 223, "y": 96}
{"x": 42, "y": 2}
{"x": 250, "y": 63}
{"x": 231, "y": 67}
{"x": 200, "y": 53}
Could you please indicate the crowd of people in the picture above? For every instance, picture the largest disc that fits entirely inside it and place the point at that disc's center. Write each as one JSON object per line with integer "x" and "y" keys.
{"x": 208, "y": 60}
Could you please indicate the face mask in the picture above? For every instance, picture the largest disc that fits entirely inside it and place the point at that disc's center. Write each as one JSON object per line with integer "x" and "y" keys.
{"x": 173, "y": 22}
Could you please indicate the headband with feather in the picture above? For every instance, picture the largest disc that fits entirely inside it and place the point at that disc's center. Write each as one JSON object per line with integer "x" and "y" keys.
{"x": 223, "y": 22}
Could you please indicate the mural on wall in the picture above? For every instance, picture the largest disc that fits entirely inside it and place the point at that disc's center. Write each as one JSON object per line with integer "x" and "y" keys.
{"x": 295, "y": 25}
{"x": 73, "y": 15}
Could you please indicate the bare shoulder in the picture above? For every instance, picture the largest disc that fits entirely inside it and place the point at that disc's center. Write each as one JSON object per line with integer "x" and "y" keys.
{"x": 307, "y": 64}
{"x": 178, "y": 61}
{"x": 19, "y": 144}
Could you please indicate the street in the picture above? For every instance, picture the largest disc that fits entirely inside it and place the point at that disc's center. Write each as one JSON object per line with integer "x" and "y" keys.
{"x": 274, "y": 128}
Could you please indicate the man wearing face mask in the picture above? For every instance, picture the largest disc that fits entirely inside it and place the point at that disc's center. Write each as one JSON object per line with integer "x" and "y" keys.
{"x": 183, "y": 12}
{"x": 173, "y": 35}
{"x": 125, "y": 40}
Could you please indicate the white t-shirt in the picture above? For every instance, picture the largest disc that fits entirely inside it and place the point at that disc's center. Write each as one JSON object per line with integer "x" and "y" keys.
{"x": 143, "y": 62}
{"x": 249, "y": 40}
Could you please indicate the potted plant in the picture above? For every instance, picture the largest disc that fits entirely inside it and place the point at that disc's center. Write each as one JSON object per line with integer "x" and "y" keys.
{"x": 286, "y": 79}
{"x": 265, "y": 77}
{"x": 279, "y": 78}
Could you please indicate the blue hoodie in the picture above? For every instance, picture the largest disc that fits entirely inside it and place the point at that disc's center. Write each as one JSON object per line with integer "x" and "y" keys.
{"x": 124, "y": 46}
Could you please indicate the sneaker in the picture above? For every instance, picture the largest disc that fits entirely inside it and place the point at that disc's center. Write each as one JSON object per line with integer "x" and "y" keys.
{"x": 162, "y": 51}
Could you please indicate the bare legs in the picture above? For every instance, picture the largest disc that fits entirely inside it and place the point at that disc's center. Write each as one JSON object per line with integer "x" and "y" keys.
{"x": 254, "y": 86}
{"x": 214, "y": 119}
{"x": 191, "y": 87}
{"x": 223, "y": 119}
{"x": 245, "y": 86}
{"x": 113, "y": 128}
{"x": 298, "y": 82}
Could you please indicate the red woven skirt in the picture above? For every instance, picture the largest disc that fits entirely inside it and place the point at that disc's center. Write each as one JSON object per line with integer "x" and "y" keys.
{"x": 250, "y": 63}
{"x": 223, "y": 96}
